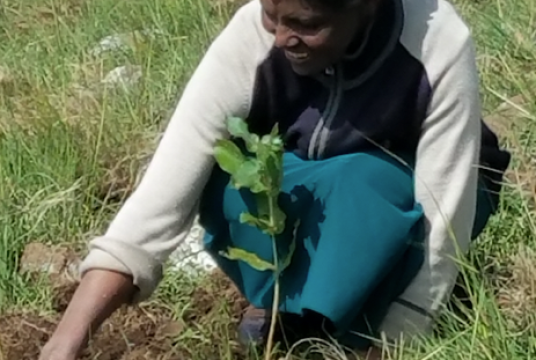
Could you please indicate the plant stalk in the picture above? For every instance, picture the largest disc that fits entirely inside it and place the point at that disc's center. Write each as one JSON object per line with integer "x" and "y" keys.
{"x": 275, "y": 302}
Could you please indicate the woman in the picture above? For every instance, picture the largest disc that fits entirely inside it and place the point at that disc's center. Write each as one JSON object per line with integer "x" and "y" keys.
{"x": 350, "y": 83}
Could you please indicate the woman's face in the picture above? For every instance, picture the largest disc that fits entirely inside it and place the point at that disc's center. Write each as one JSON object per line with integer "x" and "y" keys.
{"x": 314, "y": 37}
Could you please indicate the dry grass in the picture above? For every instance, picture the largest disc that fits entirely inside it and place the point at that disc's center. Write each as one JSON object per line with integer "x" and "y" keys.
{"x": 517, "y": 289}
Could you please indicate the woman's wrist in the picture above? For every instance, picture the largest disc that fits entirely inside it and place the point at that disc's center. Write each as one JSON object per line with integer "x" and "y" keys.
{"x": 71, "y": 335}
{"x": 99, "y": 294}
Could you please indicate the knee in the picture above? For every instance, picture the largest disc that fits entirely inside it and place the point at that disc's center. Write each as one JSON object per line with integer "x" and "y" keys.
{"x": 372, "y": 174}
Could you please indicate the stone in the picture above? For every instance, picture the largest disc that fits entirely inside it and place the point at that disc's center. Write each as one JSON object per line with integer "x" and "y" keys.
{"x": 110, "y": 43}
{"x": 191, "y": 256}
{"x": 127, "y": 75}
{"x": 49, "y": 259}
{"x": 123, "y": 41}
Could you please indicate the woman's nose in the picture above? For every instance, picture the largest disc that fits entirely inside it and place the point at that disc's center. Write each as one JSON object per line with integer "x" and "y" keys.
{"x": 284, "y": 37}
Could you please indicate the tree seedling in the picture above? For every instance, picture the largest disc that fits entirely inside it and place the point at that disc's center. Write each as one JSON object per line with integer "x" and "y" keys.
{"x": 261, "y": 173}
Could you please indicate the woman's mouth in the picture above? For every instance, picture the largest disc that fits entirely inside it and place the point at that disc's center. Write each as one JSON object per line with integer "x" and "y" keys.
{"x": 295, "y": 56}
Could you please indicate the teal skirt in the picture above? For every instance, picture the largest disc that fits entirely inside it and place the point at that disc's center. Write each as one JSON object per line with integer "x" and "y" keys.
{"x": 359, "y": 242}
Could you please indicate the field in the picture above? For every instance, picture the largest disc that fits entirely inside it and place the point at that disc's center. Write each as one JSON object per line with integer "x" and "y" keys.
{"x": 73, "y": 142}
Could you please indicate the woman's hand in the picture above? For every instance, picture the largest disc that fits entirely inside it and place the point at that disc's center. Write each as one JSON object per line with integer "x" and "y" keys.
{"x": 99, "y": 294}
{"x": 58, "y": 350}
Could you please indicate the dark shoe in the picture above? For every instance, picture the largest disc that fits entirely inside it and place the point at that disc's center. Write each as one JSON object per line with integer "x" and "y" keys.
{"x": 254, "y": 327}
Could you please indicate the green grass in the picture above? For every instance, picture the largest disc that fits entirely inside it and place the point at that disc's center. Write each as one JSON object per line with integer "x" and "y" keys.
{"x": 65, "y": 153}
{"x": 70, "y": 151}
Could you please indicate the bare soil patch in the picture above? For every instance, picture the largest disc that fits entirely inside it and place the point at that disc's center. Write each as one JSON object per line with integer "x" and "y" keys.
{"x": 147, "y": 331}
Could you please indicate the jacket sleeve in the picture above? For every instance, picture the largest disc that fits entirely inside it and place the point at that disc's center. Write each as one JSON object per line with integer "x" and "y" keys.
{"x": 156, "y": 218}
{"x": 446, "y": 176}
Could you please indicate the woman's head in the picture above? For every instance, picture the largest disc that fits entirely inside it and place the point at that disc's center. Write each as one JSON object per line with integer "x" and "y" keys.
{"x": 316, "y": 33}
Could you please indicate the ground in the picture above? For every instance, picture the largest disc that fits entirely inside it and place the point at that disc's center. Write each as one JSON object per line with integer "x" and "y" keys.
{"x": 145, "y": 331}
{"x": 77, "y": 123}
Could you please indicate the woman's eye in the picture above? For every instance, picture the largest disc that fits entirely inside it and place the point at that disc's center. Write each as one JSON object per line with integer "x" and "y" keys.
{"x": 308, "y": 26}
{"x": 311, "y": 26}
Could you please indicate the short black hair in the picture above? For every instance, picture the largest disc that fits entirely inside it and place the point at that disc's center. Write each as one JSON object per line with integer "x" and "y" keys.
{"x": 335, "y": 5}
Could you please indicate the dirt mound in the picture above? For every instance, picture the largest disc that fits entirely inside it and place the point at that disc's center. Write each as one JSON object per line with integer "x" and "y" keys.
{"x": 131, "y": 334}
{"x": 22, "y": 336}
{"x": 220, "y": 288}
{"x": 147, "y": 331}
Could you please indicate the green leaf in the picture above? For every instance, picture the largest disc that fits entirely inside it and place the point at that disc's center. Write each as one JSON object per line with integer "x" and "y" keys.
{"x": 288, "y": 259}
{"x": 266, "y": 140}
{"x": 263, "y": 204}
{"x": 249, "y": 258}
{"x": 292, "y": 248}
{"x": 238, "y": 127}
{"x": 276, "y": 140}
{"x": 247, "y": 218}
{"x": 274, "y": 171}
{"x": 249, "y": 176}
{"x": 252, "y": 143}
{"x": 262, "y": 223}
{"x": 275, "y": 130}
{"x": 263, "y": 213}
{"x": 279, "y": 220}
{"x": 278, "y": 145}
{"x": 229, "y": 156}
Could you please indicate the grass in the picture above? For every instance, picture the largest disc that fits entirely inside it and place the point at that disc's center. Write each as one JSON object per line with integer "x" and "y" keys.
{"x": 71, "y": 149}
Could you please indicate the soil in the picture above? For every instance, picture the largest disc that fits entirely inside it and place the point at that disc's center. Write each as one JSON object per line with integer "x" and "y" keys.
{"x": 146, "y": 331}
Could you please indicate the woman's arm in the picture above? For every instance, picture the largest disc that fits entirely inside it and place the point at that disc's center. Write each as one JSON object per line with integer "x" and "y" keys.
{"x": 446, "y": 172}
{"x": 125, "y": 265}
{"x": 99, "y": 294}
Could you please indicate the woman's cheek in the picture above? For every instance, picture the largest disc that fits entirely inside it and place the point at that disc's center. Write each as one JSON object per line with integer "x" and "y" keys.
{"x": 318, "y": 41}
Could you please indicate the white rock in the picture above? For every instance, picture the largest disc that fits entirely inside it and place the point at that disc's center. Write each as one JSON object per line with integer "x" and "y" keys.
{"x": 109, "y": 43}
{"x": 122, "y": 41}
{"x": 191, "y": 256}
{"x": 151, "y": 33}
{"x": 127, "y": 75}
